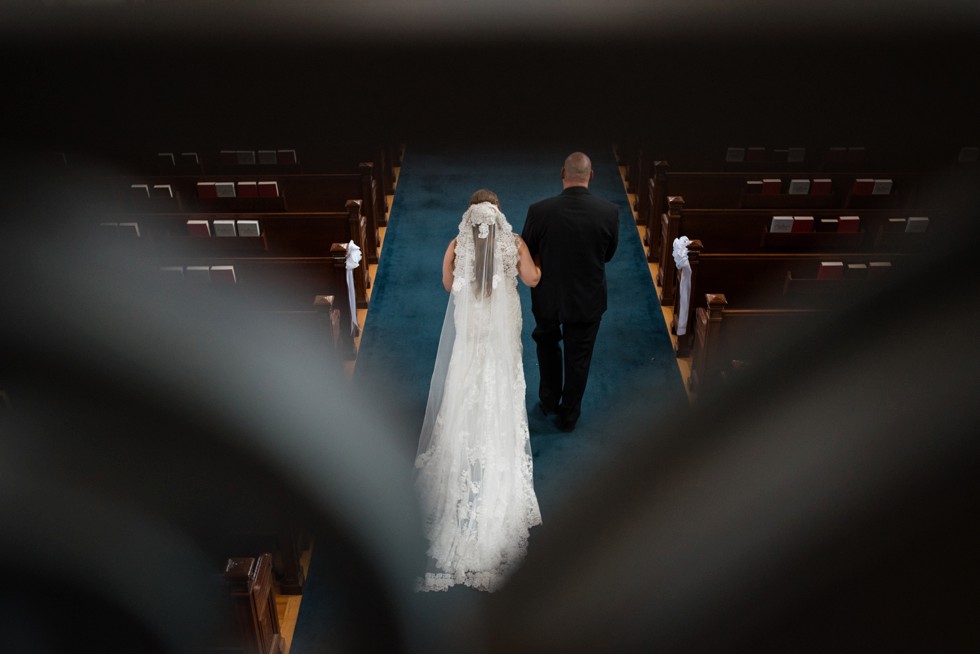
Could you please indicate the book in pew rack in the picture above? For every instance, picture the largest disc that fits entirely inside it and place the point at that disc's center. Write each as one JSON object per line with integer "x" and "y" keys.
{"x": 225, "y": 189}
{"x": 896, "y": 225}
{"x": 917, "y": 224}
{"x": 162, "y": 191}
{"x": 755, "y": 155}
{"x": 286, "y": 157}
{"x": 771, "y": 186}
{"x": 245, "y": 157}
{"x": 268, "y": 189}
{"x": 849, "y": 224}
{"x": 802, "y": 224}
{"x": 140, "y": 191}
{"x": 878, "y": 269}
{"x": 248, "y": 228}
{"x": 798, "y": 187}
{"x": 198, "y": 228}
{"x": 821, "y": 186}
{"x": 267, "y": 158}
{"x": 881, "y": 187}
{"x": 795, "y": 155}
{"x": 753, "y": 186}
{"x": 830, "y": 270}
{"x": 224, "y": 228}
{"x": 198, "y": 273}
{"x": 735, "y": 155}
{"x": 856, "y": 271}
{"x": 781, "y": 225}
{"x": 248, "y": 189}
{"x": 828, "y": 225}
{"x": 206, "y": 190}
{"x": 166, "y": 159}
{"x": 223, "y": 275}
{"x": 131, "y": 230}
{"x": 189, "y": 159}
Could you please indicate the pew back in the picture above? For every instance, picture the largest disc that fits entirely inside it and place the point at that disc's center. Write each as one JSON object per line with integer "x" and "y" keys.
{"x": 728, "y": 341}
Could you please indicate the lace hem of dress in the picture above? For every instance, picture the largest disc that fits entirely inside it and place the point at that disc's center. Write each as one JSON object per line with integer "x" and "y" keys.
{"x": 443, "y": 581}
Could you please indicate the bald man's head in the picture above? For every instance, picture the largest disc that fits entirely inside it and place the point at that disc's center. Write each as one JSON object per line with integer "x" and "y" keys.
{"x": 577, "y": 170}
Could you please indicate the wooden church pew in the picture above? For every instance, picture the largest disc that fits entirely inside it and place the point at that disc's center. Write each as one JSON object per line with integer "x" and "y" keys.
{"x": 253, "y": 622}
{"x": 748, "y": 230}
{"x": 779, "y": 280}
{"x": 212, "y": 159}
{"x": 732, "y": 190}
{"x": 728, "y": 340}
{"x": 272, "y": 234}
{"x": 291, "y": 192}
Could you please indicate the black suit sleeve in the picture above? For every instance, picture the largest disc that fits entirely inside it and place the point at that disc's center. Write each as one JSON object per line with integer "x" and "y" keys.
{"x": 528, "y": 234}
{"x": 614, "y": 241}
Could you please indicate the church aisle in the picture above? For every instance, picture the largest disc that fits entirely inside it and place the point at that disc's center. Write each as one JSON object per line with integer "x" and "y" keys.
{"x": 635, "y": 374}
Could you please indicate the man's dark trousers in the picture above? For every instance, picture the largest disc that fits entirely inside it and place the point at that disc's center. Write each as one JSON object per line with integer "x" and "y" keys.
{"x": 579, "y": 340}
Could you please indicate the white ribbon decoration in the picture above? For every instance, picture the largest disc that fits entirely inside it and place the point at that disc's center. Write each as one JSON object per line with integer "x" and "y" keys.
{"x": 352, "y": 261}
{"x": 684, "y": 287}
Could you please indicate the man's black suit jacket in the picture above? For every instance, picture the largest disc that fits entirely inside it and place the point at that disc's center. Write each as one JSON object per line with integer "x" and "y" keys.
{"x": 575, "y": 233}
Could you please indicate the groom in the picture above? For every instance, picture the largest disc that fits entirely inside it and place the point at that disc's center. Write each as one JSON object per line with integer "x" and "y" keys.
{"x": 574, "y": 234}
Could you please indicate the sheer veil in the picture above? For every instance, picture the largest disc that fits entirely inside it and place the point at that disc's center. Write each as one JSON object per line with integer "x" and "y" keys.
{"x": 484, "y": 241}
{"x": 474, "y": 474}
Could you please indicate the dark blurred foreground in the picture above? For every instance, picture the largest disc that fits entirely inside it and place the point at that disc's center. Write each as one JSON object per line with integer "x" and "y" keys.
{"x": 823, "y": 505}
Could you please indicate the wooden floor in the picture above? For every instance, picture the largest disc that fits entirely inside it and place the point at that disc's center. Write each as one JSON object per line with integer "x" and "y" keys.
{"x": 288, "y": 605}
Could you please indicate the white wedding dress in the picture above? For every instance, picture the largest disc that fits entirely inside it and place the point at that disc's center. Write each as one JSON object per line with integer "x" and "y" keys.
{"x": 474, "y": 470}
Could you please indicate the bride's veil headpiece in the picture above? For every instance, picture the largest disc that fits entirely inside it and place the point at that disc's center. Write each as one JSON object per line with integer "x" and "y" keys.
{"x": 476, "y": 248}
{"x": 475, "y": 317}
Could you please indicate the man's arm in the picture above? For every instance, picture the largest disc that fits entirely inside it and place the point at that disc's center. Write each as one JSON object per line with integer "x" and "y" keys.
{"x": 614, "y": 242}
{"x": 529, "y": 236}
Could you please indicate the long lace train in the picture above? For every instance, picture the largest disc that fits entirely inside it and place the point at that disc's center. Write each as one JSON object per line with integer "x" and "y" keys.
{"x": 474, "y": 470}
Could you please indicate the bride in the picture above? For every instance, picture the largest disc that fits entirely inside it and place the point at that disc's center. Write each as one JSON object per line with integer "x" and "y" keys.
{"x": 474, "y": 458}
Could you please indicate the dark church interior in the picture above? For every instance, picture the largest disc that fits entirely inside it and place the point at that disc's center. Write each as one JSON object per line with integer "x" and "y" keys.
{"x": 125, "y": 485}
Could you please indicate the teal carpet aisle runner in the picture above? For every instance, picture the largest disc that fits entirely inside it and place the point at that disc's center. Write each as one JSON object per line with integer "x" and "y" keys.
{"x": 634, "y": 376}
{"x": 633, "y": 367}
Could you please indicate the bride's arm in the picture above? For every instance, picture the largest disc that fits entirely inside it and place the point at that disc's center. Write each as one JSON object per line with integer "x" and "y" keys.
{"x": 527, "y": 269}
{"x": 449, "y": 265}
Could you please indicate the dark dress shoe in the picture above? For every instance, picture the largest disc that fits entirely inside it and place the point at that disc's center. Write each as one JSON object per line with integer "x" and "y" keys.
{"x": 548, "y": 411}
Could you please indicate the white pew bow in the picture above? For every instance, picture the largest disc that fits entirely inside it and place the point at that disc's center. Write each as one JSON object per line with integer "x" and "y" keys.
{"x": 684, "y": 286}
{"x": 352, "y": 261}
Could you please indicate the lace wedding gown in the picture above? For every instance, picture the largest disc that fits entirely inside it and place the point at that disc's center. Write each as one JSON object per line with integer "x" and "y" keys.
{"x": 474, "y": 470}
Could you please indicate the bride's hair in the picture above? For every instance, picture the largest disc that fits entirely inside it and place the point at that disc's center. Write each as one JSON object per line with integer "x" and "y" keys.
{"x": 483, "y": 195}
{"x": 483, "y": 229}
